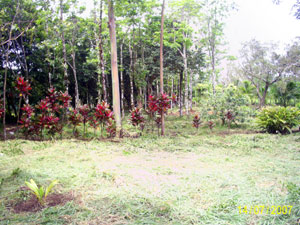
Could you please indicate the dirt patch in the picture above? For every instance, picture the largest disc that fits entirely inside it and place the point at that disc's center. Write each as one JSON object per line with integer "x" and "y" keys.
{"x": 33, "y": 205}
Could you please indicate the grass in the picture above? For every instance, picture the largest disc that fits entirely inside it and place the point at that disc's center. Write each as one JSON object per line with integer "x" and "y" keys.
{"x": 186, "y": 177}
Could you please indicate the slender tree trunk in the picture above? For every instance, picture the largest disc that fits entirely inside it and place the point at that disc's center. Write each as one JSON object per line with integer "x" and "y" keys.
{"x": 262, "y": 99}
{"x": 77, "y": 101}
{"x": 102, "y": 64}
{"x": 180, "y": 93}
{"x": 97, "y": 42}
{"x": 66, "y": 81}
{"x": 121, "y": 79}
{"x": 131, "y": 77}
{"x": 191, "y": 91}
{"x": 186, "y": 89}
{"x": 162, "y": 65}
{"x": 114, "y": 67}
{"x": 172, "y": 91}
{"x": 4, "y": 94}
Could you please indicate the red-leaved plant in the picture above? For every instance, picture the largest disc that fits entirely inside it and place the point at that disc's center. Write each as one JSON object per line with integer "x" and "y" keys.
{"x": 93, "y": 122}
{"x": 158, "y": 104}
{"x": 163, "y": 103}
{"x": 75, "y": 119}
{"x": 103, "y": 114}
{"x": 84, "y": 111}
{"x": 196, "y": 122}
{"x": 52, "y": 124}
{"x": 136, "y": 118}
{"x": 26, "y": 119}
{"x": 230, "y": 117}
{"x": 23, "y": 87}
{"x": 210, "y": 124}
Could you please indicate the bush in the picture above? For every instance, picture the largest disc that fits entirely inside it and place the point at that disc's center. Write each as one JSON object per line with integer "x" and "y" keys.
{"x": 278, "y": 119}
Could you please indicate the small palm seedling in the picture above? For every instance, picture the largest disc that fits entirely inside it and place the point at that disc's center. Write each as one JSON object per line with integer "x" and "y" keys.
{"x": 40, "y": 193}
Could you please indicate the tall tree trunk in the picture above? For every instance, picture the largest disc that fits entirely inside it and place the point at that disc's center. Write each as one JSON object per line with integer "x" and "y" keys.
{"x": 77, "y": 101}
{"x": 131, "y": 77}
{"x": 172, "y": 91}
{"x": 186, "y": 89}
{"x": 4, "y": 94}
{"x": 180, "y": 93}
{"x": 66, "y": 81}
{"x": 191, "y": 91}
{"x": 121, "y": 79}
{"x": 114, "y": 67}
{"x": 262, "y": 98}
{"x": 102, "y": 67}
{"x": 97, "y": 42}
{"x": 162, "y": 65}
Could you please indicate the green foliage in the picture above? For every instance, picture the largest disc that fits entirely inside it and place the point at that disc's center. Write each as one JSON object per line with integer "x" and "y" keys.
{"x": 40, "y": 193}
{"x": 226, "y": 100}
{"x": 278, "y": 119}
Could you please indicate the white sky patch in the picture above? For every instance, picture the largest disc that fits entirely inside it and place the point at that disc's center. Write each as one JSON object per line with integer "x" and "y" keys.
{"x": 262, "y": 20}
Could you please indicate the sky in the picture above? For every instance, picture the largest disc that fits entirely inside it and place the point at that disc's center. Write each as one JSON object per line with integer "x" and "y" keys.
{"x": 262, "y": 20}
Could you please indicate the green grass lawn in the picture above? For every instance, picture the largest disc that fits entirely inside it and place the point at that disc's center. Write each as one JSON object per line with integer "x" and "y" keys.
{"x": 183, "y": 178}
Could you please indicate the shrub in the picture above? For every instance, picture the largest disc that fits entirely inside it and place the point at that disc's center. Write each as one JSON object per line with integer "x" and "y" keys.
{"x": 278, "y": 119}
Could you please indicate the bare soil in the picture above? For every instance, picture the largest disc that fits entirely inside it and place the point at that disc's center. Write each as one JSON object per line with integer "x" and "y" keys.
{"x": 33, "y": 205}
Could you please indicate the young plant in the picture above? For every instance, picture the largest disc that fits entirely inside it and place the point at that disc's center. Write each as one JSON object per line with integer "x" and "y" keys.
{"x": 40, "y": 193}
{"x": 211, "y": 124}
{"x": 152, "y": 109}
{"x": 111, "y": 127}
{"x": 84, "y": 111}
{"x": 136, "y": 118}
{"x": 103, "y": 114}
{"x": 93, "y": 122}
{"x": 75, "y": 119}
{"x": 196, "y": 122}
{"x": 229, "y": 117}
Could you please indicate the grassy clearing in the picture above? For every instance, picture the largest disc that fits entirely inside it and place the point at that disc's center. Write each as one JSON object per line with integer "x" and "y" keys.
{"x": 183, "y": 178}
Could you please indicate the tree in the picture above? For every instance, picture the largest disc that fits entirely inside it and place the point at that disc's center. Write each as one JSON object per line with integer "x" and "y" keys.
{"x": 162, "y": 66}
{"x": 295, "y": 8}
{"x": 62, "y": 7}
{"x": 264, "y": 67}
{"x": 114, "y": 65}
{"x": 12, "y": 29}
{"x": 213, "y": 33}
